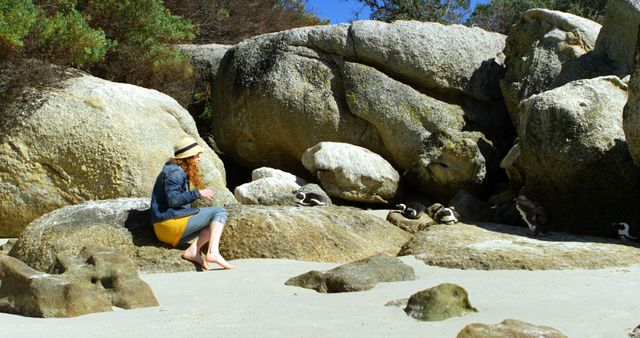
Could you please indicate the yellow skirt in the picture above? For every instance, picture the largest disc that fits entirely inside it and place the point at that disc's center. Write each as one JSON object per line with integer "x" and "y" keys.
{"x": 170, "y": 231}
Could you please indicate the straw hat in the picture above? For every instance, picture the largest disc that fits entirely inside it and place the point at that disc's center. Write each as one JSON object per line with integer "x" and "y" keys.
{"x": 187, "y": 147}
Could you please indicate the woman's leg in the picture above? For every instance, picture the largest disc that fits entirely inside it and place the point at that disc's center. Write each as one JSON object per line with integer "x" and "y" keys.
{"x": 213, "y": 253}
{"x": 198, "y": 227}
{"x": 210, "y": 224}
{"x": 192, "y": 253}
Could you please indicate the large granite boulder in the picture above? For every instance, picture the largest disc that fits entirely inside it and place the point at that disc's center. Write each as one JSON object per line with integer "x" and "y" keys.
{"x": 360, "y": 275}
{"x": 319, "y": 234}
{"x": 352, "y": 173}
{"x": 381, "y": 86}
{"x": 326, "y": 234}
{"x": 439, "y": 303}
{"x": 617, "y": 39}
{"x": 267, "y": 191}
{"x": 631, "y": 116}
{"x": 411, "y": 225}
{"x": 90, "y": 139}
{"x": 121, "y": 224}
{"x": 270, "y": 186}
{"x": 402, "y": 116}
{"x": 435, "y": 56}
{"x": 501, "y": 247}
{"x": 94, "y": 281}
{"x": 509, "y": 328}
{"x": 575, "y": 157}
{"x": 205, "y": 59}
{"x": 265, "y": 172}
{"x": 512, "y": 166}
{"x": 451, "y": 162}
{"x": 416, "y": 51}
{"x": 538, "y": 47}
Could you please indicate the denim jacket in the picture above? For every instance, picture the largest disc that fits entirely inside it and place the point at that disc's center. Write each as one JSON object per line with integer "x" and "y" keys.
{"x": 171, "y": 197}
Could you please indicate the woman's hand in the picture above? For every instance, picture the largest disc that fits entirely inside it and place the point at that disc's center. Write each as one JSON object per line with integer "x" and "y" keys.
{"x": 207, "y": 193}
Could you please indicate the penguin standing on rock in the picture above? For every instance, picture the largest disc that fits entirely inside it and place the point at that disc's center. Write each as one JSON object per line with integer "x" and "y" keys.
{"x": 407, "y": 212}
{"x": 533, "y": 214}
{"x": 410, "y": 217}
{"x": 627, "y": 233}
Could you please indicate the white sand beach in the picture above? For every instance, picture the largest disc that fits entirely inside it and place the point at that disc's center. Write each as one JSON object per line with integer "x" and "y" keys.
{"x": 253, "y": 301}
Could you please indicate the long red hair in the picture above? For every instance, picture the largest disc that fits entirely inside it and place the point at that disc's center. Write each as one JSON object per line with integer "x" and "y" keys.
{"x": 192, "y": 169}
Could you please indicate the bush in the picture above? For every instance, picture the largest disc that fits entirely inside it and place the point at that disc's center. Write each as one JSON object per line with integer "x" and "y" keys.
{"x": 67, "y": 38}
{"x": 143, "y": 29}
{"x": 17, "y": 19}
{"x": 150, "y": 65}
{"x": 53, "y": 31}
{"x": 231, "y": 21}
{"x": 500, "y": 15}
{"x": 129, "y": 40}
{"x": 138, "y": 21}
{"x": 444, "y": 11}
{"x": 119, "y": 40}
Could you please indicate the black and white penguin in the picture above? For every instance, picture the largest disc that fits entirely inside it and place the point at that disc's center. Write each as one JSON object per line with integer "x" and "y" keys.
{"x": 309, "y": 199}
{"x": 442, "y": 214}
{"x": 407, "y": 212}
{"x": 447, "y": 216}
{"x": 626, "y": 232}
{"x": 533, "y": 214}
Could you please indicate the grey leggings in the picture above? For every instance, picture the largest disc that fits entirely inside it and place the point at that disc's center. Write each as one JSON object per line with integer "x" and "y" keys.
{"x": 202, "y": 220}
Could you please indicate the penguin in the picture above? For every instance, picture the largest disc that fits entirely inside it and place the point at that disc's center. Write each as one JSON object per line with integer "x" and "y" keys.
{"x": 447, "y": 215}
{"x": 442, "y": 214}
{"x": 533, "y": 214}
{"x": 407, "y": 212}
{"x": 310, "y": 199}
{"x": 433, "y": 209}
{"x": 625, "y": 232}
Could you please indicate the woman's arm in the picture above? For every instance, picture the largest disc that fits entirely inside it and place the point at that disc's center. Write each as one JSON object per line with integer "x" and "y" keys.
{"x": 173, "y": 183}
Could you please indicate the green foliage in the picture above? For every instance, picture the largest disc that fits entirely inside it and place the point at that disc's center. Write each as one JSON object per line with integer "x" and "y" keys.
{"x": 120, "y": 40}
{"x": 129, "y": 40}
{"x": 138, "y": 21}
{"x": 444, "y": 11}
{"x": 500, "y": 15}
{"x": 143, "y": 29}
{"x": 67, "y": 38}
{"x": 230, "y": 21}
{"x": 497, "y": 15}
{"x": 52, "y": 31}
{"x": 17, "y": 19}
{"x": 293, "y": 13}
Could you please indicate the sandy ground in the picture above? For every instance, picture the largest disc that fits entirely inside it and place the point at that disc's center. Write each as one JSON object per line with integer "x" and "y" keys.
{"x": 253, "y": 301}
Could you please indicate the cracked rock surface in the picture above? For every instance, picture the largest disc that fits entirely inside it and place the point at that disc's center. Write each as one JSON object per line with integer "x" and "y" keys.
{"x": 94, "y": 281}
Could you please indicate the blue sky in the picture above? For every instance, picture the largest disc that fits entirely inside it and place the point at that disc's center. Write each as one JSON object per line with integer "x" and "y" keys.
{"x": 339, "y": 11}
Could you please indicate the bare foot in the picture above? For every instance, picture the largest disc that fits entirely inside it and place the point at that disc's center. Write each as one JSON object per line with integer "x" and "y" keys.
{"x": 196, "y": 259}
{"x": 218, "y": 259}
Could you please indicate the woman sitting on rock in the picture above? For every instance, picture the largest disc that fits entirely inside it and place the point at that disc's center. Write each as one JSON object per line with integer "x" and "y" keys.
{"x": 175, "y": 222}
